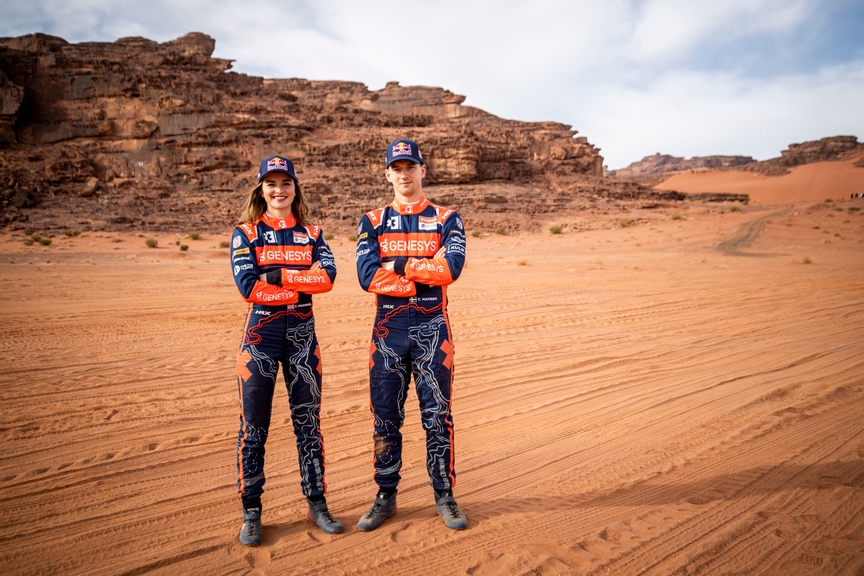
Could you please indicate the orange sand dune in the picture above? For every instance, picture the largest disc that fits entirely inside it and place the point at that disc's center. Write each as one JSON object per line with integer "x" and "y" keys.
{"x": 682, "y": 397}
{"x": 810, "y": 182}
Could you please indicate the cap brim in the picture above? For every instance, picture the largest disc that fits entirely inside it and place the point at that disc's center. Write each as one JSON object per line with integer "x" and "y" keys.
{"x": 409, "y": 158}
{"x": 293, "y": 177}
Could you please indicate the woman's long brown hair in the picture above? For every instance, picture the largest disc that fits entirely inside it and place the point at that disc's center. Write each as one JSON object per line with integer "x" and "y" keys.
{"x": 255, "y": 206}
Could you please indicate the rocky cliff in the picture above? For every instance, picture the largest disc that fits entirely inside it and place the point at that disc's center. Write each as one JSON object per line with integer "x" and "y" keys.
{"x": 137, "y": 134}
{"x": 664, "y": 163}
{"x": 825, "y": 150}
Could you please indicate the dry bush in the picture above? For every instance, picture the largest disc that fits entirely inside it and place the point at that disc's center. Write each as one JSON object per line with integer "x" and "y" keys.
{"x": 151, "y": 242}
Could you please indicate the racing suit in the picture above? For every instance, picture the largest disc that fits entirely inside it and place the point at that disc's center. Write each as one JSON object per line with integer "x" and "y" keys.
{"x": 411, "y": 334}
{"x": 280, "y": 328}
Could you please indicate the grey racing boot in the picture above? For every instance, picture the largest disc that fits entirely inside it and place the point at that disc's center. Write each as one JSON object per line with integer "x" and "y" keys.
{"x": 320, "y": 515}
{"x": 250, "y": 533}
{"x": 383, "y": 508}
{"x": 447, "y": 508}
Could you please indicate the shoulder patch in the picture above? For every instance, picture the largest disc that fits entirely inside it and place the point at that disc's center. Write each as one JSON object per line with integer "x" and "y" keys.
{"x": 314, "y": 231}
{"x": 376, "y": 216}
{"x": 250, "y": 231}
{"x": 444, "y": 213}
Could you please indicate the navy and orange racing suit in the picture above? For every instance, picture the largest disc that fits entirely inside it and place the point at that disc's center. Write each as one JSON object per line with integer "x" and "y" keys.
{"x": 412, "y": 333}
{"x": 280, "y": 328}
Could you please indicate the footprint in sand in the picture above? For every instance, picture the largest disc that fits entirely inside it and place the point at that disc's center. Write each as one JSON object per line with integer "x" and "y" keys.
{"x": 406, "y": 535}
{"x": 319, "y": 536}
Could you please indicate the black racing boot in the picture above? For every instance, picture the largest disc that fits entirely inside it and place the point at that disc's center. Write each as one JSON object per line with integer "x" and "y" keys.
{"x": 449, "y": 511}
{"x": 250, "y": 533}
{"x": 320, "y": 515}
{"x": 383, "y": 508}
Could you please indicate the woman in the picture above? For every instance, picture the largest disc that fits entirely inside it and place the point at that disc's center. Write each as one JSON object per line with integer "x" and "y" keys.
{"x": 279, "y": 260}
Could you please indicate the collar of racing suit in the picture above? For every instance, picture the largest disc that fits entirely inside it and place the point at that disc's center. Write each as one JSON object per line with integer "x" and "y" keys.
{"x": 279, "y": 223}
{"x": 413, "y": 208}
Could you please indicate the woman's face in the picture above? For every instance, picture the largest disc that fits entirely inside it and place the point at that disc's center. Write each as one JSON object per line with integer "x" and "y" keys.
{"x": 277, "y": 188}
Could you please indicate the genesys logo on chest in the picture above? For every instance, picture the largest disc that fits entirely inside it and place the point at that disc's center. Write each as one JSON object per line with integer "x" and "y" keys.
{"x": 414, "y": 244}
{"x": 284, "y": 255}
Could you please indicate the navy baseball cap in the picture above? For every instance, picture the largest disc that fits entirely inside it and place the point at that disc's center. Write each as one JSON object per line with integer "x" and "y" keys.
{"x": 404, "y": 150}
{"x": 276, "y": 164}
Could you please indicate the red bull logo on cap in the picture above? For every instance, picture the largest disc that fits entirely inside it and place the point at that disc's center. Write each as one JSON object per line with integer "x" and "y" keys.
{"x": 277, "y": 164}
{"x": 401, "y": 149}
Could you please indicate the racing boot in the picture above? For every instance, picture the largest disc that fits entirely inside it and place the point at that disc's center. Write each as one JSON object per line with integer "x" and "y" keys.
{"x": 320, "y": 515}
{"x": 447, "y": 508}
{"x": 250, "y": 533}
{"x": 383, "y": 508}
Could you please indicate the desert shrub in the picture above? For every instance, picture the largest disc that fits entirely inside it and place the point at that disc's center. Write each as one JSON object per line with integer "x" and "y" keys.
{"x": 224, "y": 244}
{"x": 522, "y": 263}
{"x": 735, "y": 209}
{"x": 625, "y": 222}
{"x": 71, "y": 233}
{"x": 44, "y": 241}
{"x": 501, "y": 230}
{"x": 677, "y": 217}
{"x": 28, "y": 241}
{"x": 853, "y": 209}
{"x": 556, "y": 229}
{"x": 352, "y": 237}
{"x": 194, "y": 235}
{"x": 116, "y": 240}
{"x": 184, "y": 247}
{"x": 476, "y": 234}
{"x": 151, "y": 242}
{"x": 806, "y": 260}
{"x": 328, "y": 236}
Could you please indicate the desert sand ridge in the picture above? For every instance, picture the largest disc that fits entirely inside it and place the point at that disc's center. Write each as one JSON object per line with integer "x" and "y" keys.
{"x": 628, "y": 400}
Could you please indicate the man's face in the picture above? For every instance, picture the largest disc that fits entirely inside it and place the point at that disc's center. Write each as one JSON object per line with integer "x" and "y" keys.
{"x": 406, "y": 177}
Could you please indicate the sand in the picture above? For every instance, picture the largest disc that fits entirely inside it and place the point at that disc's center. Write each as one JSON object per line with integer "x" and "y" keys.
{"x": 810, "y": 182}
{"x": 685, "y": 395}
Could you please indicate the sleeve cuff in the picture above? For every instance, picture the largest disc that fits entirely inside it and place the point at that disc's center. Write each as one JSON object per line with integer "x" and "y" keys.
{"x": 399, "y": 265}
{"x": 275, "y": 277}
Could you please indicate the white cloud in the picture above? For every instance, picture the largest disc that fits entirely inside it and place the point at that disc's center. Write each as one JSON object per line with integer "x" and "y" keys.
{"x": 635, "y": 77}
{"x": 701, "y": 114}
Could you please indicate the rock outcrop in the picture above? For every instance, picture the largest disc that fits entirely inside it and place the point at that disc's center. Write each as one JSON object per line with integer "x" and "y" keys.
{"x": 140, "y": 135}
{"x": 664, "y": 163}
{"x": 828, "y": 149}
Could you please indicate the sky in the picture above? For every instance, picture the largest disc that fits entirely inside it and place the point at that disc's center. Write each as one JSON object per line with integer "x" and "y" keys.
{"x": 636, "y": 77}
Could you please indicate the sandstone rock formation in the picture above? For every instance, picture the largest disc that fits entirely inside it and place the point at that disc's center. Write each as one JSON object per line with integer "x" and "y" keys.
{"x": 824, "y": 150}
{"x": 664, "y": 163}
{"x": 140, "y": 135}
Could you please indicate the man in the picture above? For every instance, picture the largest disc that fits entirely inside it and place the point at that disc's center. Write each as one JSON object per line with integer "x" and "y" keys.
{"x": 407, "y": 253}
